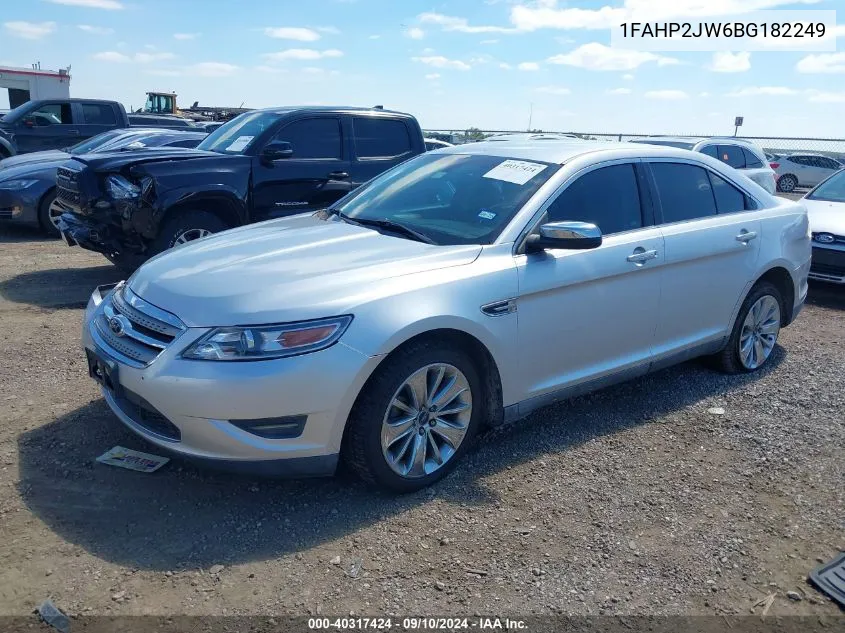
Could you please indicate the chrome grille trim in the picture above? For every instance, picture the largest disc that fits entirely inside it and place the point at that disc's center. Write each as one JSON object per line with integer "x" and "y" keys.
{"x": 141, "y": 332}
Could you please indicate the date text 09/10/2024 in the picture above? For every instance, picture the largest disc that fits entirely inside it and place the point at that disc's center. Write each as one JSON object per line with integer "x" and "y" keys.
{"x": 416, "y": 624}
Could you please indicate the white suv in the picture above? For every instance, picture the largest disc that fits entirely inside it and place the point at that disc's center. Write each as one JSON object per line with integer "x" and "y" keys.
{"x": 464, "y": 287}
{"x": 739, "y": 153}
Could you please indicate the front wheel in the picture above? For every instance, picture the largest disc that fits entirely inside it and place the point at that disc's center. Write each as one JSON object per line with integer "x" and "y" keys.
{"x": 49, "y": 212}
{"x": 415, "y": 418}
{"x": 755, "y": 331}
{"x": 185, "y": 227}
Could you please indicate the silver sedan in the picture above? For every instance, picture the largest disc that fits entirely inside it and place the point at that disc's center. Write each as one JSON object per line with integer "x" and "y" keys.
{"x": 465, "y": 287}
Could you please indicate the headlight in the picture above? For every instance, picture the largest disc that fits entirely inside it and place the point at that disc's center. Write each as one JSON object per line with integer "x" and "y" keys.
{"x": 121, "y": 189}
{"x": 268, "y": 341}
{"x": 20, "y": 183}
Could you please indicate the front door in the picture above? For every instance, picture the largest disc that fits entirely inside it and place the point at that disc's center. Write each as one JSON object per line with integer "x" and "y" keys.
{"x": 587, "y": 316}
{"x": 712, "y": 237}
{"x": 51, "y": 126}
{"x": 314, "y": 177}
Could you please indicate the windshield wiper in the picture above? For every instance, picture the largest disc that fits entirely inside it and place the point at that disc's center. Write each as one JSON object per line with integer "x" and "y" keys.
{"x": 390, "y": 225}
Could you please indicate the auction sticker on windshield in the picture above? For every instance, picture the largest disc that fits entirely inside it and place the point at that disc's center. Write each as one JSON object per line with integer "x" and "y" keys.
{"x": 239, "y": 144}
{"x": 516, "y": 171}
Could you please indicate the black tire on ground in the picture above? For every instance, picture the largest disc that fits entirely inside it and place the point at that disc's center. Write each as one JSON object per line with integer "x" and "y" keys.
{"x": 728, "y": 360}
{"x": 185, "y": 222}
{"x": 44, "y": 222}
{"x": 362, "y": 450}
{"x": 126, "y": 262}
{"x": 787, "y": 183}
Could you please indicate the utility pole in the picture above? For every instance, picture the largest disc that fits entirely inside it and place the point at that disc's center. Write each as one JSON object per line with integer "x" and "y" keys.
{"x": 530, "y": 115}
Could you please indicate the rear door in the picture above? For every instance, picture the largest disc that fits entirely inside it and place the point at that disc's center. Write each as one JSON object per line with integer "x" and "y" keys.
{"x": 379, "y": 142}
{"x": 712, "y": 238}
{"x": 313, "y": 178}
{"x": 819, "y": 169}
{"x": 96, "y": 118}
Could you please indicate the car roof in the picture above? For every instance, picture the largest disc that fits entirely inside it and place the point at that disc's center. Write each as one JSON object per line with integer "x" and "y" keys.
{"x": 335, "y": 109}
{"x": 564, "y": 150}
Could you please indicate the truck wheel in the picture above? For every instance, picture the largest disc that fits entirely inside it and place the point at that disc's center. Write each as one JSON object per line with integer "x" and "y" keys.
{"x": 184, "y": 227}
{"x": 48, "y": 214}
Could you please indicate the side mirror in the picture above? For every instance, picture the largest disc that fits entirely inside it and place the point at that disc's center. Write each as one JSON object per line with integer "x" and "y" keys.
{"x": 277, "y": 150}
{"x": 28, "y": 121}
{"x": 564, "y": 235}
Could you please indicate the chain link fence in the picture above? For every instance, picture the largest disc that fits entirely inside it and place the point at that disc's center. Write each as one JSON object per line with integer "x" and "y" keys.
{"x": 832, "y": 147}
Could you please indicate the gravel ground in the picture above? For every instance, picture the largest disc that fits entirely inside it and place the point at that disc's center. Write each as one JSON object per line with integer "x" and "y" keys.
{"x": 645, "y": 498}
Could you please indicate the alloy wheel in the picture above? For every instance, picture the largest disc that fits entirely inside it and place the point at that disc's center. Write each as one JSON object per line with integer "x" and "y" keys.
{"x": 759, "y": 332}
{"x": 190, "y": 235}
{"x": 54, "y": 213}
{"x": 426, "y": 420}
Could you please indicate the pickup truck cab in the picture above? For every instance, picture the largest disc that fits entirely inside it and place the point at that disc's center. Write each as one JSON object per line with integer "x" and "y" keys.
{"x": 45, "y": 124}
{"x": 261, "y": 165}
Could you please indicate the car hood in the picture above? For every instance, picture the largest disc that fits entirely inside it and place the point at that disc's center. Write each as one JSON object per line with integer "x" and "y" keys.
{"x": 825, "y": 216}
{"x": 284, "y": 270}
{"x": 50, "y": 156}
{"x": 117, "y": 160}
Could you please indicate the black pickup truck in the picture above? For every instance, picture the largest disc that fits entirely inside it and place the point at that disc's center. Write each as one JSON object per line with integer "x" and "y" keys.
{"x": 261, "y": 165}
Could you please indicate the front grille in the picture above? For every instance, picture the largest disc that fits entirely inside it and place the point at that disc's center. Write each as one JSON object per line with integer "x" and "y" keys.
{"x": 68, "y": 197}
{"x": 67, "y": 187}
{"x": 827, "y": 269}
{"x": 145, "y": 415}
{"x": 135, "y": 330}
{"x": 5, "y": 215}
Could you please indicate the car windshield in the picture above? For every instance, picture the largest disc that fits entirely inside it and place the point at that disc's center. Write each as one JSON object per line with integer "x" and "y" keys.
{"x": 91, "y": 144}
{"x": 660, "y": 141}
{"x": 236, "y": 136}
{"x": 831, "y": 190}
{"x": 450, "y": 198}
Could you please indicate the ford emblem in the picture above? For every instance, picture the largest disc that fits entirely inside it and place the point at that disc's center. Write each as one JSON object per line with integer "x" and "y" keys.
{"x": 825, "y": 238}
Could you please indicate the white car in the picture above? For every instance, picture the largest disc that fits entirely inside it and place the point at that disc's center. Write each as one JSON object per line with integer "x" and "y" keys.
{"x": 803, "y": 170}
{"x": 464, "y": 287}
{"x": 434, "y": 143}
{"x": 739, "y": 153}
{"x": 826, "y": 209}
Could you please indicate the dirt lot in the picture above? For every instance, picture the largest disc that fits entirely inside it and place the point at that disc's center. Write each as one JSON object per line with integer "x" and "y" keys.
{"x": 636, "y": 500}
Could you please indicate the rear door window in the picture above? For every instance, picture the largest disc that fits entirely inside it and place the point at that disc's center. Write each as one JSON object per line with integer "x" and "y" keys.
{"x": 98, "y": 114}
{"x": 377, "y": 137}
{"x": 684, "y": 191}
{"x": 729, "y": 199}
{"x": 608, "y": 197}
{"x": 732, "y": 155}
{"x": 313, "y": 138}
{"x": 751, "y": 161}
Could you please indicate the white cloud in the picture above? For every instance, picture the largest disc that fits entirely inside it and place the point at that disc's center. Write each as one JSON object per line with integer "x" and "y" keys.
{"x": 703, "y": 95}
{"x": 374, "y": 37}
{"x": 111, "y": 56}
{"x": 211, "y": 69}
{"x": 273, "y": 70}
{"x": 667, "y": 95}
{"x": 95, "y": 30}
{"x": 452, "y": 23}
{"x": 545, "y": 14}
{"x": 433, "y": 76}
{"x": 489, "y": 42}
{"x": 619, "y": 91}
{"x": 292, "y": 33}
{"x": 764, "y": 91}
{"x": 595, "y": 56}
{"x": 30, "y": 30}
{"x": 186, "y": 36}
{"x": 726, "y": 62}
{"x": 819, "y": 96}
{"x": 427, "y": 51}
{"x": 438, "y": 61}
{"x": 823, "y": 63}
{"x": 110, "y": 5}
{"x": 505, "y": 66}
{"x": 141, "y": 58}
{"x": 146, "y": 58}
{"x": 529, "y": 66}
{"x": 628, "y": 77}
{"x": 553, "y": 90}
{"x": 313, "y": 70}
{"x": 415, "y": 33}
{"x": 302, "y": 54}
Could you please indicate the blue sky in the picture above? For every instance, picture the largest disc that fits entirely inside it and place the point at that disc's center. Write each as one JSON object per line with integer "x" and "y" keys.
{"x": 464, "y": 63}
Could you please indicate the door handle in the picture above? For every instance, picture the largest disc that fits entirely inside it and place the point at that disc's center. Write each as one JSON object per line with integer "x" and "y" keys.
{"x": 746, "y": 236}
{"x": 338, "y": 175}
{"x": 640, "y": 256}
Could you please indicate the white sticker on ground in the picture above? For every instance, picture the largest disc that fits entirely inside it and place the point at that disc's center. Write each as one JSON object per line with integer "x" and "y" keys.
{"x": 133, "y": 460}
{"x": 239, "y": 143}
{"x": 516, "y": 171}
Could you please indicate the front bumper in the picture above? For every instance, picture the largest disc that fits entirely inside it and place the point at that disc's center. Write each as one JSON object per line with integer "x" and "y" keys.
{"x": 19, "y": 206}
{"x": 91, "y": 235}
{"x": 197, "y": 401}
{"x": 828, "y": 264}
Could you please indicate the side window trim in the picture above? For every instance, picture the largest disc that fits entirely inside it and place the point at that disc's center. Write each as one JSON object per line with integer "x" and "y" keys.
{"x": 540, "y": 213}
{"x": 287, "y": 124}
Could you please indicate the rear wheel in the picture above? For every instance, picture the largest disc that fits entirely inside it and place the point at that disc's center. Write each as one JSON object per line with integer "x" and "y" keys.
{"x": 415, "y": 418}
{"x": 787, "y": 183}
{"x": 755, "y": 331}
{"x": 49, "y": 211}
{"x": 185, "y": 227}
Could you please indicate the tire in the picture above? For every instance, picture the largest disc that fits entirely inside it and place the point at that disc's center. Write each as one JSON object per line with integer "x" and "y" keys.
{"x": 731, "y": 359}
{"x": 46, "y": 213}
{"x": 126, "y": 262}
{"x": 185, "y": 223}
{"x": 363, "y": 448}
{"x": 787, "y": 183}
